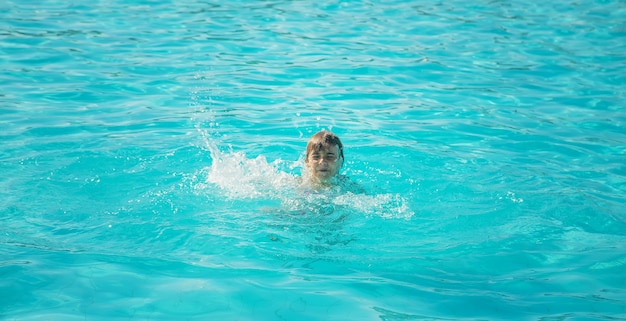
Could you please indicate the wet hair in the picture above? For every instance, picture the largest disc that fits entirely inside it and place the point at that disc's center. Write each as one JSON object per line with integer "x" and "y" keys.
{"x": 321, "y": 139}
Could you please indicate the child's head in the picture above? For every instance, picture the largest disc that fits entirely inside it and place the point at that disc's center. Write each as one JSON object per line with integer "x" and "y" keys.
{"x": 324, "y": 156}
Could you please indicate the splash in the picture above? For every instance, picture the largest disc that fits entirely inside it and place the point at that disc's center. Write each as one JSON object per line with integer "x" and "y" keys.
{"x": 239, "y": 177}
{"x": 384, "y": 205}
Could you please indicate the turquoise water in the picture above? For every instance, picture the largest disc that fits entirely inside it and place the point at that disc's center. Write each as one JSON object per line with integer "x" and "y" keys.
{"x": 148, "y": 152}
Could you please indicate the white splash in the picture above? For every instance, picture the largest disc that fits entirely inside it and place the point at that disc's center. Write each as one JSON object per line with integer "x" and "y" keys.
{"x": 240, "y": 177}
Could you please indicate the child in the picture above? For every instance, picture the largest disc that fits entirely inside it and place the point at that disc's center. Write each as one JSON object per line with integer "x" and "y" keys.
{"x": 324, "y": 159}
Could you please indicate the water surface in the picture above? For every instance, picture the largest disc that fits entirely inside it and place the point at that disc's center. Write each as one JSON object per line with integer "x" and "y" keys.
{"x": 148, "y": 152}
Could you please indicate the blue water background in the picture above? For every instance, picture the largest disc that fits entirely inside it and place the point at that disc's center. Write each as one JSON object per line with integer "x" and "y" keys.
{"x": 146, "y": 150}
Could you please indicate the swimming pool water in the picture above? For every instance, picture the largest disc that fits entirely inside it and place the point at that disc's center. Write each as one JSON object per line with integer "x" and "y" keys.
{"x": 148, "y": 152}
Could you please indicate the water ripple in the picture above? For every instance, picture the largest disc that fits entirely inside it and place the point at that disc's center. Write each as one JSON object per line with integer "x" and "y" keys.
{"x": 490, "y": 136}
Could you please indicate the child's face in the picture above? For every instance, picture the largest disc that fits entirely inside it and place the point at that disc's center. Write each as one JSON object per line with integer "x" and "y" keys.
{"x": 325, "y": 163}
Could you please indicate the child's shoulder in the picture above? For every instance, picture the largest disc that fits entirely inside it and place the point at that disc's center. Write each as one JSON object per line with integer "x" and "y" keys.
{"x": 340, "y": 183}
{"x": 349, "y": 185}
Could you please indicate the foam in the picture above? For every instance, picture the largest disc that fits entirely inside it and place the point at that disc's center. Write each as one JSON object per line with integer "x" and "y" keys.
{"x": 241, "y": 178}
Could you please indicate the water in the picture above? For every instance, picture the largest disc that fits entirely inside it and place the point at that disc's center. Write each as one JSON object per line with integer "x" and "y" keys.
{"x": 149, "y": 151}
